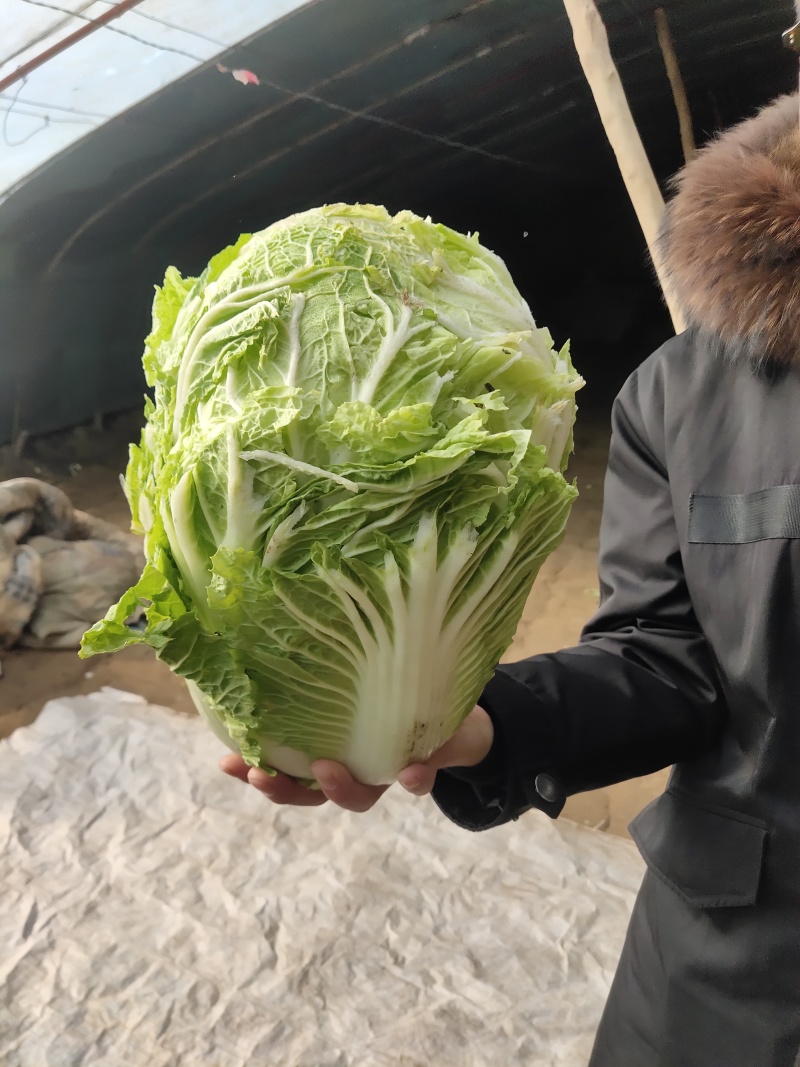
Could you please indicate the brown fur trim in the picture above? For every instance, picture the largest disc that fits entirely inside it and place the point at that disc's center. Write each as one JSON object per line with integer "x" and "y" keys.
{"x": 731, "y": 236}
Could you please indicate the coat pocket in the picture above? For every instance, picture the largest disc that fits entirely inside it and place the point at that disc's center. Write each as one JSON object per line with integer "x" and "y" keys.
{"x": 711, "y": 857}
{"x": 766, "y": 515}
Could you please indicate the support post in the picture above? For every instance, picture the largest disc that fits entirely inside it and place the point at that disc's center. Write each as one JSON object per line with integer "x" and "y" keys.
{"x": 591, "y": 42}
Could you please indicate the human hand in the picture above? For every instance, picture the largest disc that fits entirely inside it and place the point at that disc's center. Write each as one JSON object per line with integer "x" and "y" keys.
{"x": 466, "y": 748}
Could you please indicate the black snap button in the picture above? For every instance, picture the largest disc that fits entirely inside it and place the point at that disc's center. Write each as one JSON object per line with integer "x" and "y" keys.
{"x": 547, "y": 788}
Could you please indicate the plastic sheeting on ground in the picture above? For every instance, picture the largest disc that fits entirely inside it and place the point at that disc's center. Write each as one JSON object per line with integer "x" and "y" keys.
{"x": 154, "y": 913}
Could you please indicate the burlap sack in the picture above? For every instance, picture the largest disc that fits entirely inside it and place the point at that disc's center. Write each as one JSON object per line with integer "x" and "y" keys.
{"x": 60, "y": 569}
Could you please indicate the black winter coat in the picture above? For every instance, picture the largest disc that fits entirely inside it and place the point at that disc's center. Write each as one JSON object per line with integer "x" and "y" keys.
{"x": 693, "y": 658}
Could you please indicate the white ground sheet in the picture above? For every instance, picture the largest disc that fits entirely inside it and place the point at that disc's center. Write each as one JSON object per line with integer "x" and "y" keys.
{"x": 154, "y": 913}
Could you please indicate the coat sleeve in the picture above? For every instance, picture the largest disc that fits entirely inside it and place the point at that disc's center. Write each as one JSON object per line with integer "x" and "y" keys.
{"x": 641, "y": 690}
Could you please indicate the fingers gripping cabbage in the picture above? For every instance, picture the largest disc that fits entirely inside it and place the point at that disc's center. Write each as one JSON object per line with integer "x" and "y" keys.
{"x": 349, "y": 476}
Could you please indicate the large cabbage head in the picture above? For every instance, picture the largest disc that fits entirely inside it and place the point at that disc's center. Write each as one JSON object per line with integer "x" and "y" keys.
{"x": 349, "y": 477}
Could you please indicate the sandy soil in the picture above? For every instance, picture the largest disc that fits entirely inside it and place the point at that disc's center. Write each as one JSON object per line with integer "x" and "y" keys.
{"x": 86, "y": 463}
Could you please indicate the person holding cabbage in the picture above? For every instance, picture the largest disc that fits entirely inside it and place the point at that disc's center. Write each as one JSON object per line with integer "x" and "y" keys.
{"x": 692, "y": 657}
{"x": 351, "y": 472}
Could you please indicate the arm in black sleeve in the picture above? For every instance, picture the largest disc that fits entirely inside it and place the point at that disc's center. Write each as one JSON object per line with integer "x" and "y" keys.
{"x": 639, "y": 693}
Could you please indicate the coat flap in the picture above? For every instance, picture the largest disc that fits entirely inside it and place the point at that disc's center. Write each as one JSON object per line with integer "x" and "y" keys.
{"x": 712, "y": 858}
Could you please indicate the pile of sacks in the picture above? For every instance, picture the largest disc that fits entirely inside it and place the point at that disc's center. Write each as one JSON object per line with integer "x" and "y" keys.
{"x": 60, "y": 569}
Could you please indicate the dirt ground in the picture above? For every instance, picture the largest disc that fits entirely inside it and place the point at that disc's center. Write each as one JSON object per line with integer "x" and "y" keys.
{"x": 86, "y": 464}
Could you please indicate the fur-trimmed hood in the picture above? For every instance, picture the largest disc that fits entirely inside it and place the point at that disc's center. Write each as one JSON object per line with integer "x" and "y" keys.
{"x": 730, "y": 241}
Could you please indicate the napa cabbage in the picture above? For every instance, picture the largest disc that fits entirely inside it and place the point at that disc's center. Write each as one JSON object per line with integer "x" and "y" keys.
{"x": 351, "y": 471}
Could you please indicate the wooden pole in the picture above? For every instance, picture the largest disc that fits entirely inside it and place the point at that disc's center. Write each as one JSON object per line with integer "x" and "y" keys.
{"x": 591, "y": 42}
{"x": 676, "y": 84}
